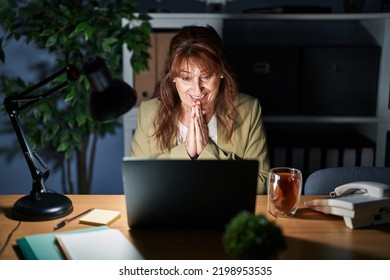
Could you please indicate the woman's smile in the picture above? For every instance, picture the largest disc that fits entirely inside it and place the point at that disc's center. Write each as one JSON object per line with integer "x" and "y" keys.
{"x": 199, "y": 98}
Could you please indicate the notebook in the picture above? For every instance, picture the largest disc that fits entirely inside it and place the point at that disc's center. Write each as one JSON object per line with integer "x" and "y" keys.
{"x": 43, "y": 246}
{"x": 187, "y": 194}
{"x": 105, "y": 244}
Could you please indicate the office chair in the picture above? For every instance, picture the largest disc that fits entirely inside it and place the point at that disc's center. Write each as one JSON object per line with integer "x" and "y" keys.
{"x": 324, "y": 181}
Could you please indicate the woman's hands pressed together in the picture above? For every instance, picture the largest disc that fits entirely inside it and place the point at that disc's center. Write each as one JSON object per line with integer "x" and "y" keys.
{"x": 197, "y": 136}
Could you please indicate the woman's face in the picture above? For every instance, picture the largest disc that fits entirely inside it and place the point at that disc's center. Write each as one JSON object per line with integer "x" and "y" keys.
{"x": 197, "y": 85}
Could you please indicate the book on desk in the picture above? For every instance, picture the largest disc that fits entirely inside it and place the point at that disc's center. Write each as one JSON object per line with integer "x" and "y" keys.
{"x": 99, "y": 242}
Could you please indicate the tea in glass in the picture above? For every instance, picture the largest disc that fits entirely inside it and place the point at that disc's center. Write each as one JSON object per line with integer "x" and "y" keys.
{"x": 284, "y": 191}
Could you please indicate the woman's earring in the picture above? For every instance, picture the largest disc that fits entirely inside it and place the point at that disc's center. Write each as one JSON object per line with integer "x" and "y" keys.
{"x": 221, "y": 76}
{"x": 174, "y": 81}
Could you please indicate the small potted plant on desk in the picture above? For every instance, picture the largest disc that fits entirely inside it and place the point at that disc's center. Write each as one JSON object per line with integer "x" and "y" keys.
{"x": 249, "y": 236}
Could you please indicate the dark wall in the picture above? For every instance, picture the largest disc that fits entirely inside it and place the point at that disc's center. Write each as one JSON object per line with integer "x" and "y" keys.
{"x": 238, "y": 6}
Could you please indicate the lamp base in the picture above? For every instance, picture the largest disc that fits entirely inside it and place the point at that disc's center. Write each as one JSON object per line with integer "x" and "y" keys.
{"x": 50, "y": 206}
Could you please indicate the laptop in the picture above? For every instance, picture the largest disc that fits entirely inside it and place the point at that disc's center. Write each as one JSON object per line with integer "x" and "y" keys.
{"x": 187, "y": 194}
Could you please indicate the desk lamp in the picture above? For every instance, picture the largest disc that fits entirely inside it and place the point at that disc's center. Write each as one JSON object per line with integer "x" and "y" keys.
{"x": 109, "y": 99}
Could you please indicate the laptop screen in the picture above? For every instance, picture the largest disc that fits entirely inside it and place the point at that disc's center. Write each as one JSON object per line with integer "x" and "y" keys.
{"x": 174, "y": 194}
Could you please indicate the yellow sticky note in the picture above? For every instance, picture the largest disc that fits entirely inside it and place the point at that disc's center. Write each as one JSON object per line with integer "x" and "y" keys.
{"x": 100, "y": 217}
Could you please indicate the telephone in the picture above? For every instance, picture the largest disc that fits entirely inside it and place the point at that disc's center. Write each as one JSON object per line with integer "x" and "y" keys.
{"x": 373, "y": 189}
{"x": 361, "y": 203}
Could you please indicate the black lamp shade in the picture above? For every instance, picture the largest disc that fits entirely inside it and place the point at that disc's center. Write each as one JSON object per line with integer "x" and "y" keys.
{"x": 110, "y": 98}
{"x": 113, "y": 102}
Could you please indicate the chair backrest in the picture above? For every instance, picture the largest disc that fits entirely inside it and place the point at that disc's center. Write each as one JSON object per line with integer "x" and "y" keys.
{"x": 324, "y": 181}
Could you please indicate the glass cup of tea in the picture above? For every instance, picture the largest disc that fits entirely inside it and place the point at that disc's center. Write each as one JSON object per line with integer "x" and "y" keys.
{"x": 284, "y": 191}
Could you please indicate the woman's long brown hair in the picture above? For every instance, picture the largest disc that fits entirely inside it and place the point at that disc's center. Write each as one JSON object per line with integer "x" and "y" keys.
{"x": 203, "y": 47}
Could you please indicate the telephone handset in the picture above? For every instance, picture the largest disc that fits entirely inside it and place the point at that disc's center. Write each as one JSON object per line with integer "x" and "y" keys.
{"x": 361, "y": 203}
{"x": 373, "y": 189}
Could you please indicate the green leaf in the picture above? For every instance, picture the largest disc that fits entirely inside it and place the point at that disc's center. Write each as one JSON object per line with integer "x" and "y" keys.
{"x": 70, "y": 121}
{"x": 65, "y": 11}
{"x": 51, "y": 40}
{"x": 81, "y": 119}
{"x": 32, "y": 142}
{"x": 110, "y": 40}
{"x": 146, "y": 27}
{"x": 47, "y": 136}
{"x": 62, "y": 147}
{"x": 84, "y": 82}
{"x": 47, "y": 32}
{"x": 144, "y": 17}
{"x": 55, "y": 128}
{"x": 47, "y": 116}
{"x": 81, "y": 27}
{"x": 69, "y": 153}
{"x": 37, "y": 113}
{"x": 71, "y": 95}
{"x": 64, "y": 136}
{"x": 76, "y": 136}
{"x": 88, "y": 33}
{"x": 106, "y": 45}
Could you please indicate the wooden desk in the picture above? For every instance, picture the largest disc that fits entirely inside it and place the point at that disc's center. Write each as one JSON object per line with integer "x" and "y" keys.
{"x": 310, "y": 235}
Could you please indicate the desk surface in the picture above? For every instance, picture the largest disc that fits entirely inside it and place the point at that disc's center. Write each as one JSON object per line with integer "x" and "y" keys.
{"x": 309, "y": 235}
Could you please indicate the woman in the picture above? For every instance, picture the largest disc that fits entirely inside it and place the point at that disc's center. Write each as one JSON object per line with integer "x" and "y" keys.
{"x": 198, "y": 112}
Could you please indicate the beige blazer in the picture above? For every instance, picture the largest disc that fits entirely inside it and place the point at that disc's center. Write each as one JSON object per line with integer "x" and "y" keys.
{"x": 248, "y": 141}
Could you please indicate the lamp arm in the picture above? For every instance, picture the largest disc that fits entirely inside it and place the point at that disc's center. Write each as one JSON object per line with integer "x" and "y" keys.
{"x": 72, "y": 74}
{"x": 38, "y": 169}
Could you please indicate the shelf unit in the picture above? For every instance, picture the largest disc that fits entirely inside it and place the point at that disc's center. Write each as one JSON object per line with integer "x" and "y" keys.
{"x": 376, "y": 128}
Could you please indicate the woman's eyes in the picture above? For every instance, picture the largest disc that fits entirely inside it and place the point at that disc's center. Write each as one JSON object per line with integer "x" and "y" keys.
{"x": 185, "y": 78}
{"x": 202, "y": 78}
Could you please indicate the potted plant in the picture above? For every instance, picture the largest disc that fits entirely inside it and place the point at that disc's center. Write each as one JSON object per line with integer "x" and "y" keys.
{"x": 251, "y": 236}
{"x": 62, "y": 126}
